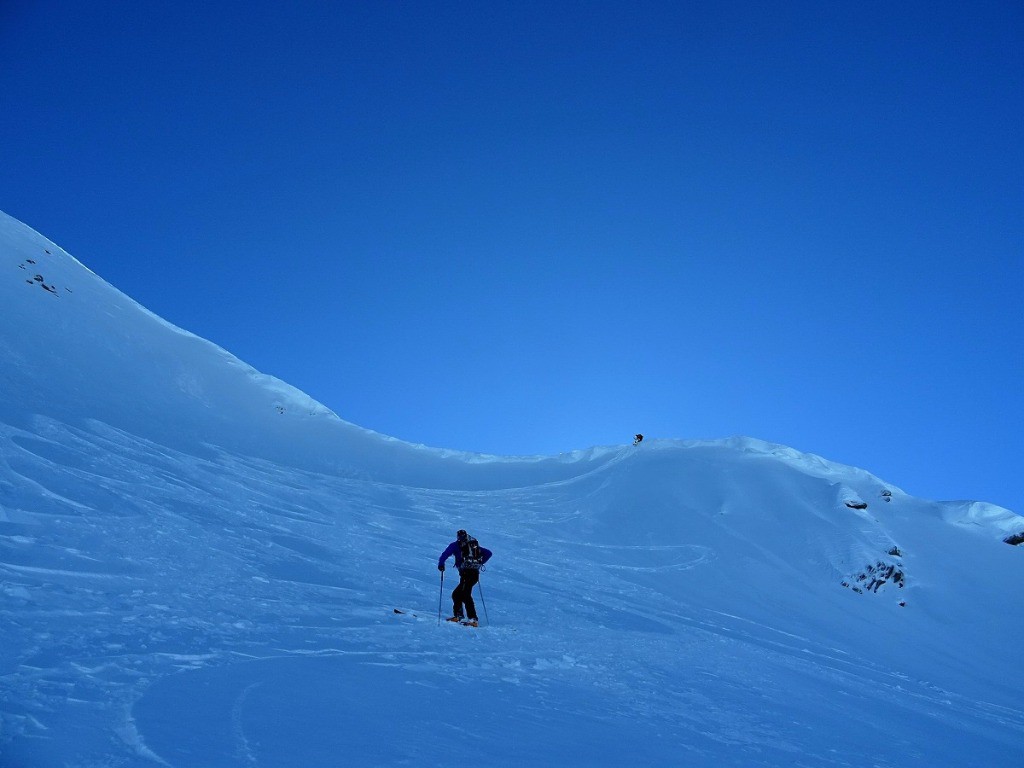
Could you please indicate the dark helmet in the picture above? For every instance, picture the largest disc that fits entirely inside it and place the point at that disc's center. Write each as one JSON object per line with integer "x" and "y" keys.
{"x": 462, "y": 535}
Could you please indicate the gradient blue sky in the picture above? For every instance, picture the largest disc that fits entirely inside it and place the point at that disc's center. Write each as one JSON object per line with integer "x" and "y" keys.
{"x": 524, "y": 228}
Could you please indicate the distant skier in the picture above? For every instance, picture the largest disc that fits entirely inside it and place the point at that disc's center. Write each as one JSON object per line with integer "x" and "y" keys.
{"x": 638, "y": 439}
{"x": 469, "y": 557}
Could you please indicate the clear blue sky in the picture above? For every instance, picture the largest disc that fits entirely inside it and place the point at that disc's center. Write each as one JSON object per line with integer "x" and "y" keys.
{"x": 524, "y": 228}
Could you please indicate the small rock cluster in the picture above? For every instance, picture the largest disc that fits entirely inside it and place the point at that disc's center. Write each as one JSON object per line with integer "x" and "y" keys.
{"x": 881, "y": 572}
{"x": 39, "y": 279}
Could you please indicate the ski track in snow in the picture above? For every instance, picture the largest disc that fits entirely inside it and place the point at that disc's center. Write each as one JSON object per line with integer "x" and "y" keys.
{"x": 266, "y": 564}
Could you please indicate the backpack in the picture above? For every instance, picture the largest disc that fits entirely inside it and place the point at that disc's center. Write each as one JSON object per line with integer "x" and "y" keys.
{"x": 472, "y": 557}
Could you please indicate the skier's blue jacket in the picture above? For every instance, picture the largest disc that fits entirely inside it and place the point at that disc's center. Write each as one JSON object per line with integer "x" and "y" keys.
{"x": 456, "y": 549}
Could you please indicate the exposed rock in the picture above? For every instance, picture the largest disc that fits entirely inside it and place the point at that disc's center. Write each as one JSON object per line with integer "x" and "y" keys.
{"x": 875, "y": 575}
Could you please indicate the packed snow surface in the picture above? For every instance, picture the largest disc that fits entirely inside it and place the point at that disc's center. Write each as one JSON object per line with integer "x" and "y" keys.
{"x": 201, "y": 566}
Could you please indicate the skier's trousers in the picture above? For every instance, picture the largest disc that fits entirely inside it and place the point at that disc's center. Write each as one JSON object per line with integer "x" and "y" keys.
{"x": 468, "y": 577}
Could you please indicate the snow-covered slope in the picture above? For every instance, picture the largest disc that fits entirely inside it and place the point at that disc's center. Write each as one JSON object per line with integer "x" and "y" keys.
{"x": 75, "y": 349}
{"x": 199, "y": 566}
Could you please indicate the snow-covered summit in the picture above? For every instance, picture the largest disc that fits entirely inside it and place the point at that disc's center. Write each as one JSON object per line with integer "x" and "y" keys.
{"x": 200, "y": 566}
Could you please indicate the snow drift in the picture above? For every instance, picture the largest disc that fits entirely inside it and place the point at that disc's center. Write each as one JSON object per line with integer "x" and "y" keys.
{"x": 200, "y": 566}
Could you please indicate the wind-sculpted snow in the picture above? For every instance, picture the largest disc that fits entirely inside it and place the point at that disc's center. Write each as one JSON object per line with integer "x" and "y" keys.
{"x": 200, "y": 566}
{"x": 89, "y": 352}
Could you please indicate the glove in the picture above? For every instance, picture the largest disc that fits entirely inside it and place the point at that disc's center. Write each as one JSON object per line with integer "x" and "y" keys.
{"x": 440, "y": 567}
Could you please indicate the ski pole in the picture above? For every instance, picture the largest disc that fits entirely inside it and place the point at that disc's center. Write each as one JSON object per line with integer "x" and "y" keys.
{"x": 483, "y": 602}
{"x": 440, "y": 597}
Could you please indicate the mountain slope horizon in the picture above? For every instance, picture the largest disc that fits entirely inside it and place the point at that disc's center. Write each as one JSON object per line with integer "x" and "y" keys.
{"x": 201, "y": 565}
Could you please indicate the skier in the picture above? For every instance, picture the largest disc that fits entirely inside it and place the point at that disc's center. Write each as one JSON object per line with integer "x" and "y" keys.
{"x": 637, "y": 439}
{"x": 469, "y": 557}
